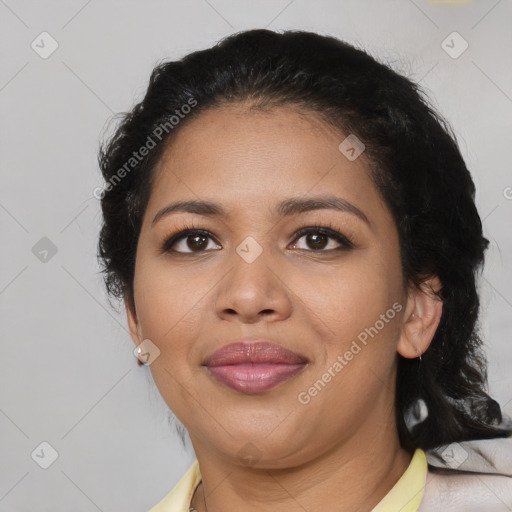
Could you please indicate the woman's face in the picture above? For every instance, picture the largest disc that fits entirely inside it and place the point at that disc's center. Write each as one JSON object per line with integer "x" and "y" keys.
{"x": 334, "y": 303}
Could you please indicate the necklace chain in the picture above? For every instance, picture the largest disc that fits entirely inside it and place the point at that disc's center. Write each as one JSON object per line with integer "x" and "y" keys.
{"x": 192, "y": 509}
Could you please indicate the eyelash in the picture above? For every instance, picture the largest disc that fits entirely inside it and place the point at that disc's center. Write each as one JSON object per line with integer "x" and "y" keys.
{"x": 328, "y": 230}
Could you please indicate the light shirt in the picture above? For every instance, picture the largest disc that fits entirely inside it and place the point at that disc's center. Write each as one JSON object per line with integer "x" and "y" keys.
{"x": 405, "y": 496}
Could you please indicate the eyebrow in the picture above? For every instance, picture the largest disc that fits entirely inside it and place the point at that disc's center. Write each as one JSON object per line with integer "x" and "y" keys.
{"x": 285, "y": 208}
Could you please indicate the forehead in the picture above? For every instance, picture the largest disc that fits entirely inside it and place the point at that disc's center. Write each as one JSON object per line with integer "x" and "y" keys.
{"x": 241, "y": 156}
{"x": 238, "y": 133}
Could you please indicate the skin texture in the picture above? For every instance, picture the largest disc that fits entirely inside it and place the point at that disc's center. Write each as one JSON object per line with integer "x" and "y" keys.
{"x": 342, "y": 447}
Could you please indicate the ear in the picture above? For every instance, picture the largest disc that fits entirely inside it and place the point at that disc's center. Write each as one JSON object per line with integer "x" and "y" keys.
{"x": 133, "y": 323}
{"x": 421, "y": 318}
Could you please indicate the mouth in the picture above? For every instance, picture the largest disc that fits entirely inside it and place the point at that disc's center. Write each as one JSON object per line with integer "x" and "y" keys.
{"x": 253, "y": 366}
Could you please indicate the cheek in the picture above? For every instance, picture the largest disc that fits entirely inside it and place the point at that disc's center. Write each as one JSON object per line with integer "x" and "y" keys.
{"x": 169, "y": 310}
{"x": 356, "y": 315}
{"x": 358, "y": 325}
{"x": 169, "y": 301}
{"x": 352, "y": 296}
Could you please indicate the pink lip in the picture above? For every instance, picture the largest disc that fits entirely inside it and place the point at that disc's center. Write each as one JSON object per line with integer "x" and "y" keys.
{"x": 254, "y": 366}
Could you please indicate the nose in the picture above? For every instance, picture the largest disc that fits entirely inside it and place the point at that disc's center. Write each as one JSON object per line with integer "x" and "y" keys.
{"x": 253, "y": 291}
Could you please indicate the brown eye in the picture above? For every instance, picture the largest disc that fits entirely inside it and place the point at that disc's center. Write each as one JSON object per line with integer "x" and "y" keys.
{"x": 196, "y": 242}
{"x": 187, "y": 242}
{"x": 318, "y": 239}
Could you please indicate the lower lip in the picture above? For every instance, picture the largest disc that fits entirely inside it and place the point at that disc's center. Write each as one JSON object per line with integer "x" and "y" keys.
{"x": 254, "y": 378}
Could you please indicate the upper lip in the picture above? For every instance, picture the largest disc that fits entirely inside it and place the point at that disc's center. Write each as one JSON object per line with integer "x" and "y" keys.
{"x": 253, "y": 351}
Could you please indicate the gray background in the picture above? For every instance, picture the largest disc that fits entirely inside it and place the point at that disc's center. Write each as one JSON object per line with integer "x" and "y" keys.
{"x": 68, "y": 373}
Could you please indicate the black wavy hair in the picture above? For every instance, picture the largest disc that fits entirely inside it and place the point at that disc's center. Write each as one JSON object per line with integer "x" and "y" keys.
{"x": 415, "y": 164}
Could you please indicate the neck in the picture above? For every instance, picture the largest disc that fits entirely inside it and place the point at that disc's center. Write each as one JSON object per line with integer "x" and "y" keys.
{"x": 354, "y": 476}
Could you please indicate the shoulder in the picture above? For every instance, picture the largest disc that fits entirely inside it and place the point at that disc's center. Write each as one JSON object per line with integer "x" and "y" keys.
{"x": 466, "y": 492}
{"x": 471, "y": 476}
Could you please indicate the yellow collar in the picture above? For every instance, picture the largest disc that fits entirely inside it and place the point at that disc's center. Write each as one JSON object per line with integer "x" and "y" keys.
{"x": 407, "y": 493}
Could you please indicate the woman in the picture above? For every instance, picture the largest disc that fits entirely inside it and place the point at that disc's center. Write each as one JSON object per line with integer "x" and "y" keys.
{"x": 293, "y": 231}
